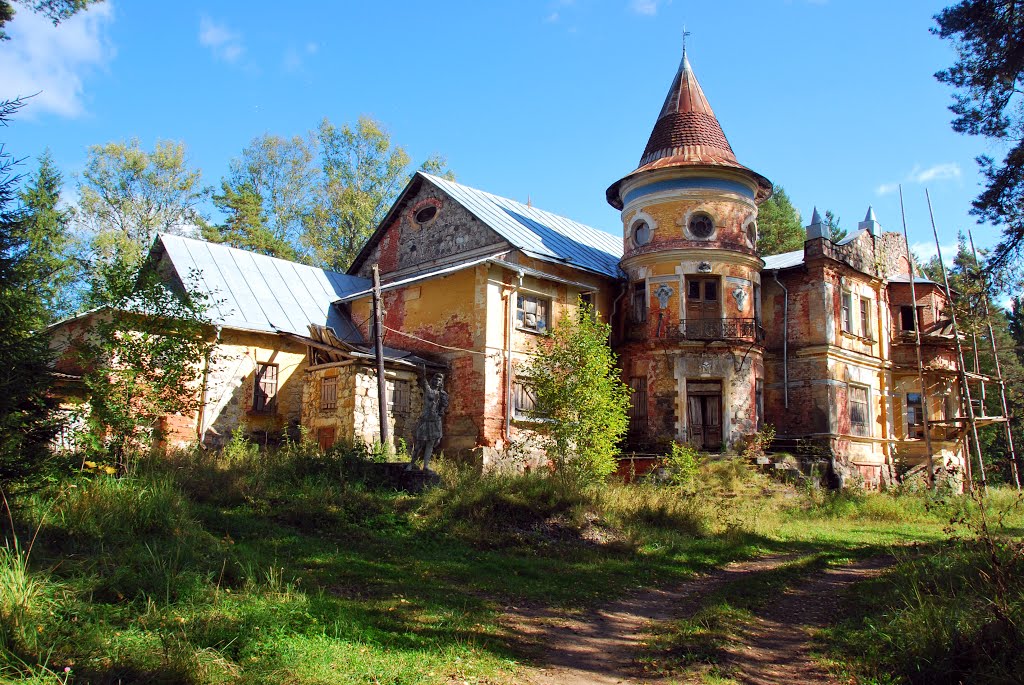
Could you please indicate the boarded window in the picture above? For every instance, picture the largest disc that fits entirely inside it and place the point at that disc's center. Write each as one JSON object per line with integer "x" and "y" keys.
{"x": 914, "y": 415}
{"x": 265, "y": 388}
{"x": 329, "y": 393}
{"x": 325, "y": 437}
{"x": 524, "y": 399}
{"x": 532, "y": 313}
{"x": 860, "y": 412}
{"x": 638, "y": 405}
{"x": 399, "y": 397}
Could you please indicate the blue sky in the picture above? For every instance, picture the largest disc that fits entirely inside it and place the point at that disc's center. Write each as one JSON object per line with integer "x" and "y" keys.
{"x": 551, "y": 100}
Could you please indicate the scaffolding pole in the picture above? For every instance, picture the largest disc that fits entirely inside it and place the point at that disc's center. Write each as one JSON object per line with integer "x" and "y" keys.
{"x": 965, "y": 389}
{"x": 917, "y": 349}
{"x": 1014, "y": 466}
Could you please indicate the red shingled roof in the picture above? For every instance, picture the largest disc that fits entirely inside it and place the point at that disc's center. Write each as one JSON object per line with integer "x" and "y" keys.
{"x": 687, "y": 133}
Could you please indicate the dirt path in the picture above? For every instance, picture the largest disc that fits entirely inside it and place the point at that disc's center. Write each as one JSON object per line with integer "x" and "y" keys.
{"x": 599, "y": 647}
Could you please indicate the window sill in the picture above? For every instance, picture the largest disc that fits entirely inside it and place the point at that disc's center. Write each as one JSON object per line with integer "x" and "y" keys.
{"x": 531, "y": 331}
{"x": 261, "y": 412}
{"x": 861, "y": 338}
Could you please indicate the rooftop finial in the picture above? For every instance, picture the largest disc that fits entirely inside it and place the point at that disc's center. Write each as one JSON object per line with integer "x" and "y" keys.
{"x": 685, "y": 34}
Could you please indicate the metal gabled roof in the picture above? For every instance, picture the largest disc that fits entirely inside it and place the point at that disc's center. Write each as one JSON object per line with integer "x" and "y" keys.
{"x": 538, "y": 233}
{"x": 255, "y": 292}
{"x": 783, "y": 260}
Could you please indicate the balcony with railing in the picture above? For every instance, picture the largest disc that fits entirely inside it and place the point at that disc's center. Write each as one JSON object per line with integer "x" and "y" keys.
{"x": 727, "y": 329}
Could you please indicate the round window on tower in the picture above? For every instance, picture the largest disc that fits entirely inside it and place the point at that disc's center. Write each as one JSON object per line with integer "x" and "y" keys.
{"x": 641, "y": 232}
{"x": 702, "y": 226}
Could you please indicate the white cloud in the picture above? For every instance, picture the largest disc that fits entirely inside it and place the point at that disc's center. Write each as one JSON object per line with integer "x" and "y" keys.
{"x": 924, "y": 251}
{"x": 937, "y": 172}
{"x": 645, "y": 7}
{"x": 224, "y": 43}
{"x": 551, "y": 18}
{"x": 295, "y": 58}
{"x": 55, "y": 61}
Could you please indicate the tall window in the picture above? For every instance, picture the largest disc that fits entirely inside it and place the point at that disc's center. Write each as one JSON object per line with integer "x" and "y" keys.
{"x": 865, "y": 317}
{"x": 638, "y": 405}
{"x": 265, "y": 388}
{"x": 639, "y": 302}
{"x": 860, "y": 412}
{"x": 589, "y": 299}
{"x": 847, "y": 312}
{"x": 915, "y": 415}
{"x": 532, "y": 313}
{"x": 329, "y": 393}
{"x": 759, "y": 402}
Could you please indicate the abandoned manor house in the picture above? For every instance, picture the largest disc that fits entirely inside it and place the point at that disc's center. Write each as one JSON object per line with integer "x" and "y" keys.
{"x": 714, "y": 341}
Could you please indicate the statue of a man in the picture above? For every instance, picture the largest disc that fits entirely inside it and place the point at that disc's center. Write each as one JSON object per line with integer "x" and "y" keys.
{"x": 427, "y": 435}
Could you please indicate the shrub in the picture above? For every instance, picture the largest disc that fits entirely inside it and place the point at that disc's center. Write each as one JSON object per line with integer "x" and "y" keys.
{"x": 683, "y": 464}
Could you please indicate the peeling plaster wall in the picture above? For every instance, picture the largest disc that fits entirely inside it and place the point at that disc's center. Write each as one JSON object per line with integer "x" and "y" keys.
{"x": 230, "y": 386}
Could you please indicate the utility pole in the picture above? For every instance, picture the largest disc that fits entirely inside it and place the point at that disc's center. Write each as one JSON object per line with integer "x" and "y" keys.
{"x": 378, "y": 346}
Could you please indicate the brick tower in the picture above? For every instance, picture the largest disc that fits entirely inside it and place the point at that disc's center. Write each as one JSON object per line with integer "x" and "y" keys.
{"x": 692, "y": 347}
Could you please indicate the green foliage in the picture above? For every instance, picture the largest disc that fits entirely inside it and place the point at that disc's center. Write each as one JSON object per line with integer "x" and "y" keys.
{"x": 55, "y": 10}
{"x": 143, "y": 360}
{"x": 779, "y": 228}
{"x": 127, "y": 195}
{"x": 683, "y": 463}
{"x": 314, "y": 199}
{"x": 835, "y": 232}
{"x": 49, "y": 251}
{"x": 580, "y": 395}
{"x": 26, "y": 425}
{"x": 363, "y": 173}
{"x": 989, "y": 73}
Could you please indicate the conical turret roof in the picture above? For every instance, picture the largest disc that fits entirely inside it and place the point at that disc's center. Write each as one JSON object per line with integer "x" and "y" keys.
{"x": 687, "y": 126}
{"x": 687, "y": 133}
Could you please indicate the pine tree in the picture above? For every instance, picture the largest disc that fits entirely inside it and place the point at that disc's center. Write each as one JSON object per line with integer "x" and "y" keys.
{"x": 778, "y": 225}
{"x": 49, "y": 242}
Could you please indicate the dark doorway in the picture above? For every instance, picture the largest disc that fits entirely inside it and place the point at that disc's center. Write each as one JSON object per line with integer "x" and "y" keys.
{"x": 704, "y": 414}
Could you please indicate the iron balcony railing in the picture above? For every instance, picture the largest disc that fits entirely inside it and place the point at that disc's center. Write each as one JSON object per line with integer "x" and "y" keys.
{"x": 699, "y": 329}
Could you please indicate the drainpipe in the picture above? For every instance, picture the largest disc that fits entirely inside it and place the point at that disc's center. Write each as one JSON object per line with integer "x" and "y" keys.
{"x": 785, "y": 339}
{"x": 615, "y": 305}
{"x": 204, "y": 397}
{"x": 509, "y": 327}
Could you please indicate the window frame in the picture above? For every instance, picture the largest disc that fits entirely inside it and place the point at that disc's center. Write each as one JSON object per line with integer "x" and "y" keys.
{"x": 865, "y": 318}
{"x": 524, "y": 400}
{"x": 639, "y": 302}
{"x": 637, "y": 405}
{"x": 542, "y": 303}
{"x": 914, "y": 430}
{"x": 861, "y": 428}
{"x": 328, "y": 393}
{"x": 846, "y": 311}
{"x": 264, "y": 402}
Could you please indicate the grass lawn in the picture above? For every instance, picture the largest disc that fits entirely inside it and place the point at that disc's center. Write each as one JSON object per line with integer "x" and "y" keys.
{"x": 280, "y": 568}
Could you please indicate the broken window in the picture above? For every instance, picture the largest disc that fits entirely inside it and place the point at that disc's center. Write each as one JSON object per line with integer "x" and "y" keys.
{"x": 265, "y": 388}
{"x": 524, "y": 399}
{"x": 532, "y": 313}
{"x": 907, "y": 317}
{"x": 329, "y": 393}
{"x": 860, "y": 412}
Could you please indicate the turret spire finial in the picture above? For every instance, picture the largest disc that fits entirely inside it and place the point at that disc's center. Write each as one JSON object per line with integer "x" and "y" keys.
{"x": 685, "y": 34}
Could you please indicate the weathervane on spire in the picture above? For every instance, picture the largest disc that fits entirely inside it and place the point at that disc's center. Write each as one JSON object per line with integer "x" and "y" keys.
{"x": 685, "y": 34}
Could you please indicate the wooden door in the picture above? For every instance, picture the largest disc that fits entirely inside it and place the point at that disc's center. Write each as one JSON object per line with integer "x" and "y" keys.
{"x": 704, "y": 414}
{"x": 703, "y": 298}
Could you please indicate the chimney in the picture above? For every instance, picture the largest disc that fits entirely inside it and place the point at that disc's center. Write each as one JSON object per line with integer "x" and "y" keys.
{"x": 870, "y": 223}
{"x": 817, "y": 227}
